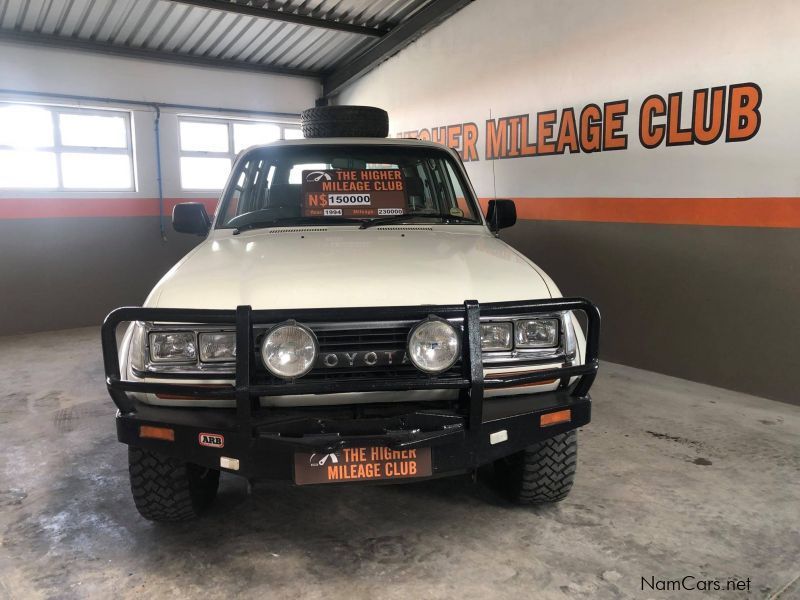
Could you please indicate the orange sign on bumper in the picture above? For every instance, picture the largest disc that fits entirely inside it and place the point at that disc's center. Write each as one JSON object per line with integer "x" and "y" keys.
{"x": 361, "y": 464}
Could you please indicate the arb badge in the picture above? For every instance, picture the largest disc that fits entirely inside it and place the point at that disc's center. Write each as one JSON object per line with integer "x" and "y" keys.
{"x": 214, "y": 440}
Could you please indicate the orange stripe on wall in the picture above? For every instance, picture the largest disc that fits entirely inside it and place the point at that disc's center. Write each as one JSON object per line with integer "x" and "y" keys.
{"x": 731, "y": 212}
{"x": 60, "y": 208}
{"x": 726, "y": 212}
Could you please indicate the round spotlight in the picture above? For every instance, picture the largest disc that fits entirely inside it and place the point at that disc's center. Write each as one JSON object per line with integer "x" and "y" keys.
{"x": 433, "y": 345}
{"x": 289, "y": 350}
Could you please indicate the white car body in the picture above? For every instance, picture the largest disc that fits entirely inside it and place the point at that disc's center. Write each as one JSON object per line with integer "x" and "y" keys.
{"x": 345, "y": 266}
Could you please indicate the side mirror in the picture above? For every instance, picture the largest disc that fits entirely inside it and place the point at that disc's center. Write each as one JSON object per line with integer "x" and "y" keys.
{"x": 501, "y": 214}
{"x": 190, "y": 217}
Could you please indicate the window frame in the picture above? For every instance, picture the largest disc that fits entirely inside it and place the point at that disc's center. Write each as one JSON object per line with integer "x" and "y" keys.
{"x": 59, "y": 149}
{"x": 231, "y": 154}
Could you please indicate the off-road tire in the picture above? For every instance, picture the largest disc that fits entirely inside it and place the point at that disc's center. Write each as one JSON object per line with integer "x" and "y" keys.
{"x": 167, "y": 489}
{"x": 541, "y": 473}
{"x": 344, "y": 121}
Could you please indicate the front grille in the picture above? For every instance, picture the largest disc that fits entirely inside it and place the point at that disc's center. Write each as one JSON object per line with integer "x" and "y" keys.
{"x": 344, "y": 340}
{"x": 359, "y": 340}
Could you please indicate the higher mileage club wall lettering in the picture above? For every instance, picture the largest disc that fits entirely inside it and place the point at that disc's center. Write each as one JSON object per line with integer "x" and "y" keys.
{"x": 732, "y": 111}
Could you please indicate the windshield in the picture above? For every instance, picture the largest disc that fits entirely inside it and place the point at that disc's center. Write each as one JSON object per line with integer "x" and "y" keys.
{"x": 345, "y": 184}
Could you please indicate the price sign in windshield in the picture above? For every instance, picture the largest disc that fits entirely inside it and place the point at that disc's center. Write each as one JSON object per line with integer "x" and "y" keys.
{"x": 354, "y": 193}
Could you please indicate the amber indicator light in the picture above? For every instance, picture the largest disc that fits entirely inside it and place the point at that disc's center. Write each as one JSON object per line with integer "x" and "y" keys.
{"x": 157, "y": 433}
{"x": 554, "y": 418}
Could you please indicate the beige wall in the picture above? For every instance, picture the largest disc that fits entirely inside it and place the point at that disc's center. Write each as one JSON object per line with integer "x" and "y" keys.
{"x": 512, "y": 57}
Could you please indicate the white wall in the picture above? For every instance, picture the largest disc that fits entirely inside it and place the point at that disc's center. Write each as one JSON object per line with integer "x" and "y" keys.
{"x": 46, "y": 70}
{"x": 525, "y": 56}
{"x": 74, "y": 72}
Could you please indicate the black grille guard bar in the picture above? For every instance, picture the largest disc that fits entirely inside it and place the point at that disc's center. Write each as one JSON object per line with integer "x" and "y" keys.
{"x": 246, "y": 393}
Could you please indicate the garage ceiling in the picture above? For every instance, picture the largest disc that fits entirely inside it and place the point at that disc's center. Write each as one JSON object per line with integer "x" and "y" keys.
{"x": 334, "y": 40}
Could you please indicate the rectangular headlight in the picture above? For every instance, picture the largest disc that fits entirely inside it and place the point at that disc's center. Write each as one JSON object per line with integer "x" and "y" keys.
{"x": 495, "y": 336}
{"x": 218, "y": 346}
{"x": 173, "y": 346}
{"x": 536, "y": 333}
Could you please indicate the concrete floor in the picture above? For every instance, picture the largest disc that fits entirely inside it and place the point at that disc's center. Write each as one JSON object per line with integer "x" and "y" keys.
{"x": 674, "y": 479}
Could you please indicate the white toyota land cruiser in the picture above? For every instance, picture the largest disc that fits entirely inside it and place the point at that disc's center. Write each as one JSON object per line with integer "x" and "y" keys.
{"x": 350, "y": 317}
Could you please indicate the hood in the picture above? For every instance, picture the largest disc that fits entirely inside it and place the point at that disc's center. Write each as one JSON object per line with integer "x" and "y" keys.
{"x": 344, "y": 266}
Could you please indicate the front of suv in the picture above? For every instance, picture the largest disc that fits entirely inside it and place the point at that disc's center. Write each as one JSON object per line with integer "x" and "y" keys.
{"x": 350, "y": 294}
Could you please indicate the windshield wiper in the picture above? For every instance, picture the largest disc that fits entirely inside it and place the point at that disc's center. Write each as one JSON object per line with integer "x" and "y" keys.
{"x": 294, "y": 221}
{"x": 400, "y": 218}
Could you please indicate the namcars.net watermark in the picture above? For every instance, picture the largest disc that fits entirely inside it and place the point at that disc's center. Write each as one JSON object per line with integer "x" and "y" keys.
{"x": 690, "y": 583}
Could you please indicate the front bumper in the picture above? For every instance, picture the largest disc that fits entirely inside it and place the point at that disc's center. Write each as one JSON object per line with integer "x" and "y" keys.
{"x": 261, "y": 442}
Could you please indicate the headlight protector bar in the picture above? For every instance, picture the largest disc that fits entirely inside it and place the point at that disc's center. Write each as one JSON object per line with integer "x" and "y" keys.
{"x": 247, "y": 393}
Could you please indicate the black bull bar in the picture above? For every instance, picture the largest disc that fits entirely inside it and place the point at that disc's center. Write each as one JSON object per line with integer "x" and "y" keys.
{"x": 419, "y": 428}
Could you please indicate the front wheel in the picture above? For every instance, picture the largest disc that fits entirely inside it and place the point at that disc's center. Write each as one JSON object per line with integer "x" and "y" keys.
{"x": 543, "y": 472}
{"x": 167, "y": 489}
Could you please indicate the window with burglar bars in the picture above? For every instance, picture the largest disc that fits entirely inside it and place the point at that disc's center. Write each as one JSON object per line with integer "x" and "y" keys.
{"x": 209, "y": 146}
{"x": 45, "y": 147}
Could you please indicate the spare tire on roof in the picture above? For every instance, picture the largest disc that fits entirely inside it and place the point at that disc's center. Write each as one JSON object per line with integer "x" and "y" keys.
{"x": 344, "y": 121}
